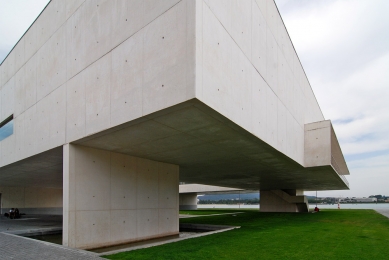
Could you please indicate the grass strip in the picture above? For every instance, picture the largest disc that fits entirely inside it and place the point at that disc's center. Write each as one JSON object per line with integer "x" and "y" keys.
{"x": 329, "y": 234}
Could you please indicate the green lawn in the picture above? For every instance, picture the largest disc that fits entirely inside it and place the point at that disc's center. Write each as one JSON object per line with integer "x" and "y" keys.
{"x": 329, "y": 234}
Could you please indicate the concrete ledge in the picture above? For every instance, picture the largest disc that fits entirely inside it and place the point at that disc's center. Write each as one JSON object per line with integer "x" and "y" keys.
{"x": 203, "y": 227}
{"x": 37, "y": 211}
{"x": 188, "y": 207}
{"x": 215, "y": 228}
{"x": 36, "y": 232}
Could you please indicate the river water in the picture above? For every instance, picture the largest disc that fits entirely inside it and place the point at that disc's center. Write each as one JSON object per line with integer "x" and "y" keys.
{"x": 321, "y": 206}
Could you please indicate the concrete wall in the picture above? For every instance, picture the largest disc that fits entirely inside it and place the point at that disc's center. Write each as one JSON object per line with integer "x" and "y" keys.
{"x": 32, "y": 200}
{"x": 322, "y": 147}
{"x": 188, "y": 201}
{"x": 111, "y": 198}
{"x": 247, "y": 69}
{"x": 318, "y": 144}
{"x": 85, "y": 66}
{"x": 282, "y": 201}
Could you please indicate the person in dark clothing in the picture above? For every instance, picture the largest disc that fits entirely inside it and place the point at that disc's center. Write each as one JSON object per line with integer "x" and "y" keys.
{"x": 12, "y": 213}
{"x": 16, "y": 214}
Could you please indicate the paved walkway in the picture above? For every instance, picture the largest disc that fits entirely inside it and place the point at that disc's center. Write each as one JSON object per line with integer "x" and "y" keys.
{"x": 384, "y": 212}
{"x": 30, "y": 224}
{"x": 16, "y": 247}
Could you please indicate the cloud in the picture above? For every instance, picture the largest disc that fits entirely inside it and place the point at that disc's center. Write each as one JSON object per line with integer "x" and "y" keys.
{"x": 346, "y": 56}
{"x": 359, "y": 107}
{"x": 344, "y": 49}
{"x": 334, "y": 38}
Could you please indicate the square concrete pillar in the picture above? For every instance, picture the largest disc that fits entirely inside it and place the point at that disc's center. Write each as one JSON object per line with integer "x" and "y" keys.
{"x": 188, "y": 201}
{"x": 283, "y": 201}
{"x": 111, "y": 198}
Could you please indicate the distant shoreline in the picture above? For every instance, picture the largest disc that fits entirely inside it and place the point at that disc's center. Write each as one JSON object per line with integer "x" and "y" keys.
{"x": 321, "y": 206}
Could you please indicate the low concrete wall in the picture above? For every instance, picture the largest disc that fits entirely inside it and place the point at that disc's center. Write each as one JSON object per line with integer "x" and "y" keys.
{"x": 36, "y": 211}
{"x": 188, "y": 207}
{"x": 188, "y": 201}
{"x": 32, "y": 200}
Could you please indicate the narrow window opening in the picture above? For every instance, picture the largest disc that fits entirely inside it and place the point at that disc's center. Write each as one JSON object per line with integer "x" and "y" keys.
{"x": 6, "y": 127}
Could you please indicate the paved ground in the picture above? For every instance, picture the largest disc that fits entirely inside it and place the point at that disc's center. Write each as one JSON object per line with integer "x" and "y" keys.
{"x": 384, "y": 212}
{"x": 30, "y": 223}
{"x": 17, "y": 247}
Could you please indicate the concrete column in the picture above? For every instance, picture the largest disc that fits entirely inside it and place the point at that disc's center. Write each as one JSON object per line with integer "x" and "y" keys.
{"x": 283, "y": 201}
{"x": 111, "y": 198}
{"x": 188, "y": 201}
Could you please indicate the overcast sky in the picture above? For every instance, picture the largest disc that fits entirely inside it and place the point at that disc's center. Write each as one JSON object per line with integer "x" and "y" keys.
{"x": 344, "y": 48}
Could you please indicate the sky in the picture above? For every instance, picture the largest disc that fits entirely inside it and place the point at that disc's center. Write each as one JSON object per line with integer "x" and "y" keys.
{"x": 343, "y": 46}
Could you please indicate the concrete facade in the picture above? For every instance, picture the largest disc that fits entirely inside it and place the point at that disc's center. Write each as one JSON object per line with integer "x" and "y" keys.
{"x": 212, "y": 87}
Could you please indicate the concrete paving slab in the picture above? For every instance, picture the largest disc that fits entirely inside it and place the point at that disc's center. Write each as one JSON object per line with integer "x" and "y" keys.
{"x": 384, "y": 212}
{"x": 18, "y": 247}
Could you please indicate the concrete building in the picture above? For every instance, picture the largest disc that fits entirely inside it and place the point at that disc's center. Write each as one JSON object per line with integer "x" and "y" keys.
{"x": 110, "y": 103}
{"x": 188, "y": 194}
{"x": 357, "y": 200}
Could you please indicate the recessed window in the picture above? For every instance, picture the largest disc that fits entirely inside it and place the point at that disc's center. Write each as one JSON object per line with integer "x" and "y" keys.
{"x": 6, "y": 127}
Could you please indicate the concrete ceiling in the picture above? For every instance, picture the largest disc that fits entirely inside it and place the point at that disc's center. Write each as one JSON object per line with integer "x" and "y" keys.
{"x": 212, "y": 150}
{"x": 41, "y": 170}
{"x": 209, "y": 148}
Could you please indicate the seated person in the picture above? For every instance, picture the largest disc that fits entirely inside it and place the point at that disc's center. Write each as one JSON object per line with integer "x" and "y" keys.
{"x": 12, "y": 213}
{"x": 317, "y": 209}
{"x": 17, "y": 214}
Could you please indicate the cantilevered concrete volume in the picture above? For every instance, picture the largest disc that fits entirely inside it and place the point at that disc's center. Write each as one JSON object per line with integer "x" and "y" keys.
{"x": 113, "y": 103}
